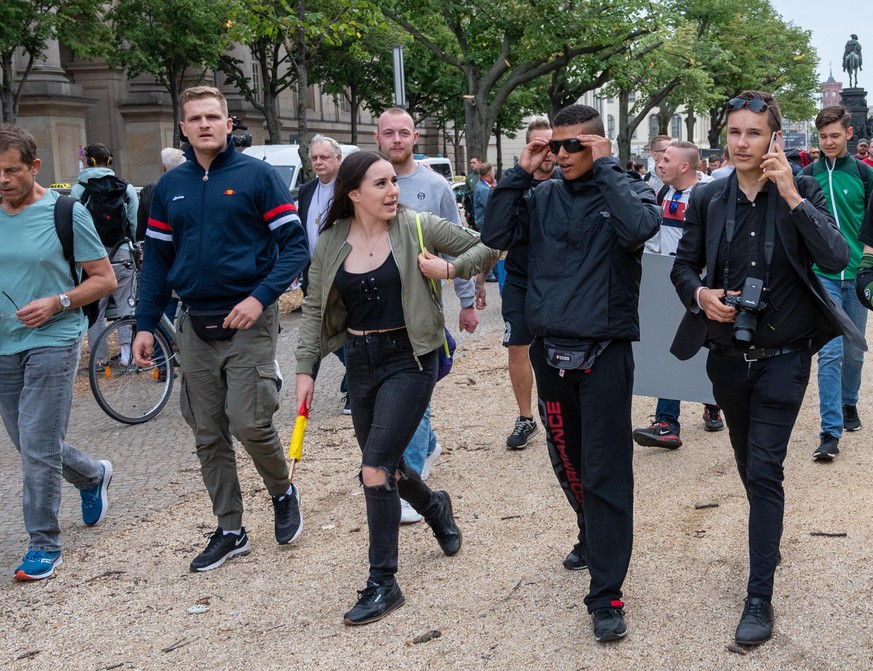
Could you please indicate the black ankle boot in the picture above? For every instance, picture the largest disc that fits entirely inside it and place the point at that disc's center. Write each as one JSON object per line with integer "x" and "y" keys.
{"x": 375, "y": 601}
{"x": 756, "y": 624}
{"x": 440, "y": 518}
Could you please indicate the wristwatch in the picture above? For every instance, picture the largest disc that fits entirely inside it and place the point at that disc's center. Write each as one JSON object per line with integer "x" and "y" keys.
{"x": 65, "y": 301}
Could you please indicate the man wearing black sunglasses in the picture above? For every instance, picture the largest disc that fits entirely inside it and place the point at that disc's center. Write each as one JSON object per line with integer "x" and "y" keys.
{"x": 585, "y": 237}
{"x": 757, "y": 233}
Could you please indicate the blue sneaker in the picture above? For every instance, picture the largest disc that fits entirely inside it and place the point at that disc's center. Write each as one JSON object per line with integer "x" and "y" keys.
{"x": 95, "y": 502}
{"x": 38, "y": 565}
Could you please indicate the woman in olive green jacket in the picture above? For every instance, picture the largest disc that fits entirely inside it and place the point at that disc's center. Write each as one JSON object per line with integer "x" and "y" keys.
{"x": 372, "y": 287}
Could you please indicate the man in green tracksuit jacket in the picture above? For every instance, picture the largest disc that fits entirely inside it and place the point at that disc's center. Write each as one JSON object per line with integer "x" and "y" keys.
{"x": 847, "y": 184}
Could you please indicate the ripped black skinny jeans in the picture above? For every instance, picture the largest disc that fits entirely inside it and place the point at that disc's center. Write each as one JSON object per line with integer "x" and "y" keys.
{"x": 388, "y": 394}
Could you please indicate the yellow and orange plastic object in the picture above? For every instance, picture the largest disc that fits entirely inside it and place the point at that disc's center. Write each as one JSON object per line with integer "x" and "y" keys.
{"x": 295, "y": 450}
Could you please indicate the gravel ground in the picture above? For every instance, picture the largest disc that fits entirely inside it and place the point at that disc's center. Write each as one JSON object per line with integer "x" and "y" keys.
{"x": 505, "y": 601}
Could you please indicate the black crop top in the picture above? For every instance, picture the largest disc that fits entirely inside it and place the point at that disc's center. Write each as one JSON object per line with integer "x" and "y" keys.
{"x": 372, "y": 299}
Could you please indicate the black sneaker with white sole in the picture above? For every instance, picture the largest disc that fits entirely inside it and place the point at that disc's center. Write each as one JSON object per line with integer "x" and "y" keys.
{"x": 221, "y": 547}
{"x": 576, "y": 561}
{"x": 851, "y": 420}
{"x": 609, "y": 622}
{"x": 375, "y": 601}
{"x": 828, "y": 449}
{"x": 658, "y": 434}
{"x": 289, "y": 520}
{"x": 523, "y": 431}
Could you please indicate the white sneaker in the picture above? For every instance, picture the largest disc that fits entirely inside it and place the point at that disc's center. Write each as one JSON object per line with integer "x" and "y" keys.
{"x": 430, "y": 461}
{"x": 408, "y": 514}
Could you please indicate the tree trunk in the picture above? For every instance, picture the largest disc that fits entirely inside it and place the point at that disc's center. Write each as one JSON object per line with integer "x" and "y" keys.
{"x": 302, "y": 85}
{"x": 624, "y": 135}
{"x": 665, "y": 114}
{"x": 174, "y": 101}
{"x": 271, "y": 117}
{"x": 460, "y": 165}
{"x": 690, "y": 123}
{"x": 714, "y": 134}
{"x": 355, "y": 106}
{"x": 10, "y": 93}
{"x": 479, "y": 124}
{"x": 7, "y": 89}
{"x": 498, "y": 171}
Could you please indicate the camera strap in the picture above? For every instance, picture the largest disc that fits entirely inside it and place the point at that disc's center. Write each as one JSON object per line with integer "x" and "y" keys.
{"x": 769, "y": 229}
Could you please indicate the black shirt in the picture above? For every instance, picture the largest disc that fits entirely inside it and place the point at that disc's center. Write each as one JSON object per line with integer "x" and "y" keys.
{"x": 372, "y": 299}
{"x": 790, "y": 315}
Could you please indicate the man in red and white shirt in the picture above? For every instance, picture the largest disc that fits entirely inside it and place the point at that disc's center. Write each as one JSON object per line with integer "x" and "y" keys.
{"x": 679, "y": 172}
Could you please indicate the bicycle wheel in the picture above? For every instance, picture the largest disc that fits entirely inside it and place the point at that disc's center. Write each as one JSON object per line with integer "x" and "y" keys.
{"x": 126, "y": 392}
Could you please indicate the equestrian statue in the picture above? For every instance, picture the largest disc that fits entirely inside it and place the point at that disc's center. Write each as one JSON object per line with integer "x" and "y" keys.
{"x": 852, "y": 59}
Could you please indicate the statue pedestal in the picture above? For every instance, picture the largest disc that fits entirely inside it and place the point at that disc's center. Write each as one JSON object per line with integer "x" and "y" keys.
{"x": 855, "y": 100}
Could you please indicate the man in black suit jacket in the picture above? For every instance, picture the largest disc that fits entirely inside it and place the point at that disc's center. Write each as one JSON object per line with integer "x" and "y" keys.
{"x": 315, "y": 197}
{"x": 759, "y": 223}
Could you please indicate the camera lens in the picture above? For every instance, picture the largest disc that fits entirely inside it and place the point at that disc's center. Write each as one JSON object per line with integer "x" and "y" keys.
{"x": 744, "y": 327}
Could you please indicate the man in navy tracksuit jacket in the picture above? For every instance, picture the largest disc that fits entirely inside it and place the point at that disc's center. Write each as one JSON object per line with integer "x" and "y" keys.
{"x": 224, "y": 234}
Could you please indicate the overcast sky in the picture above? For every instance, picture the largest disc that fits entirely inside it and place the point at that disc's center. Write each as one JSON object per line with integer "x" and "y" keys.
{"x": 831, "y": 25}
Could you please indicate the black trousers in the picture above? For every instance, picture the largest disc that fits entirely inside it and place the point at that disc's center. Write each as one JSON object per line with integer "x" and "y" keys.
{"x": 388, "y": 394}
{"x": 761, "y": 401}
{"x": 587, "y": 416}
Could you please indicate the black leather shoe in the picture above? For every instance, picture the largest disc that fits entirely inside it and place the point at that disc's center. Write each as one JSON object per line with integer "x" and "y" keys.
{"x": 756, "y": 624}
{"x": 443, "y": 524}
{"x": 375, "y": 601}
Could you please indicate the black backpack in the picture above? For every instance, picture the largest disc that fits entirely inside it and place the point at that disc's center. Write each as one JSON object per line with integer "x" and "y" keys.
{"x": 64, "y": 229}
{"x": 106, "y": 199}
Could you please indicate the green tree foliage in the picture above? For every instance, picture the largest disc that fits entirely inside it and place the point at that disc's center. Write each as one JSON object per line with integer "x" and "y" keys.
{"x": 359, "y": 69}
{"x": 286, "y": 38}
{"x": 757, "y": 49}
{"x": 500, "y": 46}
{"x": 28, "y": 25}
{"x": 175, "y": 41}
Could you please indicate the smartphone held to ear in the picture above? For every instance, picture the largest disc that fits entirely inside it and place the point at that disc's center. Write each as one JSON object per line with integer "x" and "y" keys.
{"x": 776, "y": 139}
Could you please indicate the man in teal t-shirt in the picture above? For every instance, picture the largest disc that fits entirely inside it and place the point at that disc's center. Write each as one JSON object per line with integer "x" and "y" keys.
{"x": 41, "y": 330}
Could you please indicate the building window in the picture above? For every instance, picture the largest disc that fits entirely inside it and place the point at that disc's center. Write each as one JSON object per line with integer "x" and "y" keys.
{"x": 653, "y": 125}
{"x": 676, "y": 127}
{"x": 610, "y": 127}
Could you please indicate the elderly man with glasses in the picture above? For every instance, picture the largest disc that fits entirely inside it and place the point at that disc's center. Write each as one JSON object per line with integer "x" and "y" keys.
{"x": 762, "y": 313}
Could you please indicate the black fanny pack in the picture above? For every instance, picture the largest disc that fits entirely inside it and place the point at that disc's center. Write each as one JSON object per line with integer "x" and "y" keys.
{"x": 209, "y": 324}
{"x": 572, "y": 354}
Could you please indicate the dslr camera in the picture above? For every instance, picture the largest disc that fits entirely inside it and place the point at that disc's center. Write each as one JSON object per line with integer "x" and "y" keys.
{"x": 748, "y": 304}
{"x": 243, "y": 139}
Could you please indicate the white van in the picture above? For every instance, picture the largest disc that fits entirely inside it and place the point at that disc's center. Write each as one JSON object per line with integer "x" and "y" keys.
{"x": 286, "y": 159}
{"x": 441, "y": 165}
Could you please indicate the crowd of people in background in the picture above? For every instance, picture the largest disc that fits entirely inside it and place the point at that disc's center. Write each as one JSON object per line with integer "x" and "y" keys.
{"x": 773, "y": 264}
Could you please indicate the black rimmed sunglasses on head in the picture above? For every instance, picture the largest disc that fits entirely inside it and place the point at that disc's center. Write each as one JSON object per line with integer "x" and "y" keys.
{"x": 571, "y": 145}
{"x": 755, "y": 105}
